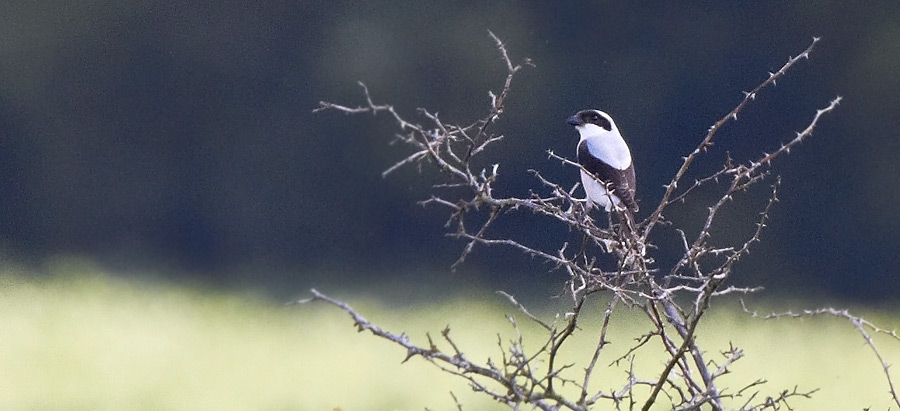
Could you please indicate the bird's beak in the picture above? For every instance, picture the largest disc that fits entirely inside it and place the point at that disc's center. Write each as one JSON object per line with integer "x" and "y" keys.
{"x": 573, "y": 121}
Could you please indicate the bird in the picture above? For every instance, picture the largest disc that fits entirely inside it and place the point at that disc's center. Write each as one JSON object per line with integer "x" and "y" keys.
{"x": 607, "y": 169}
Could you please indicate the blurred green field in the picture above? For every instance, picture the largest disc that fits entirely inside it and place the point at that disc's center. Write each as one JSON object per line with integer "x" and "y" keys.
{"x": 98, "y": 342}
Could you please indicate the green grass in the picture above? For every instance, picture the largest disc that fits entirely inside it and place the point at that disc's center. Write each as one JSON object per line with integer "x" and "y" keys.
{"x": 96, "y": 342}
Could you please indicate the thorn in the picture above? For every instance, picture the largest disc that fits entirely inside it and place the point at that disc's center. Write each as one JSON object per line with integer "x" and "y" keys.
{"x": 409, "y": 354}
{"x": 816, "y": 39}
{"x": 734, "y": 116}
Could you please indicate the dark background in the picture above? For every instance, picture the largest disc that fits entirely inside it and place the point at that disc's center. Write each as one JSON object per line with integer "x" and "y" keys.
{"x": 178, "y": 138}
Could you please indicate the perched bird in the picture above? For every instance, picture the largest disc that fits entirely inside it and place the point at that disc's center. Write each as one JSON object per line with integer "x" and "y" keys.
{"x": 603, "y": 153}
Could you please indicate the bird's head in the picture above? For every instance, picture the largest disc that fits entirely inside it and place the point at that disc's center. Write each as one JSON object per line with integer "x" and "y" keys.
{"x": 592, "y": 122}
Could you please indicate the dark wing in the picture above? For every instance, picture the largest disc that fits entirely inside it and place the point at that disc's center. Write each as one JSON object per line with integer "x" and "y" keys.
{"x": 622, "y": 182}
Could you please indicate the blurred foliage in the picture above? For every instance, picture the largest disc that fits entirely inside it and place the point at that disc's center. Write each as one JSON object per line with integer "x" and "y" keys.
{"x": 87, "y": 340}
{"x": 179, "y": 135}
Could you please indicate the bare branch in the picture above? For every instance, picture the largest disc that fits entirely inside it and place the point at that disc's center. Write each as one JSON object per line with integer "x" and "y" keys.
{"x": 710, "y": 134}
{"x": 600, "y": 344}
{"x": 524, "y": 310}
{"x": 858, "y": 322}
{"x": 466, "y": 188}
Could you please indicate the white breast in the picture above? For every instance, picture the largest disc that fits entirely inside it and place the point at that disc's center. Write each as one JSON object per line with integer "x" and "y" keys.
{"x": 597, "y": 194}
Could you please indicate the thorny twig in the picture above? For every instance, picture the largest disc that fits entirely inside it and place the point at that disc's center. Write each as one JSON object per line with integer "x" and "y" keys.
{"x": 711, "y": 133}
{"x": 858, "y": 322}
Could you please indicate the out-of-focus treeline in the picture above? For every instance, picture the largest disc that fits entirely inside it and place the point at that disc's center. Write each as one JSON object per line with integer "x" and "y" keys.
{"x": 179, "y": 136}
